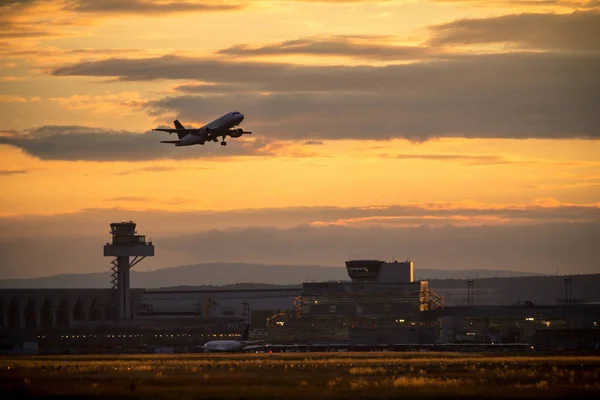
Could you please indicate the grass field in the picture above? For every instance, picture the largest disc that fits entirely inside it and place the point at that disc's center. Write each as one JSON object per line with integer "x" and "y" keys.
{"x": 302, "y": 375}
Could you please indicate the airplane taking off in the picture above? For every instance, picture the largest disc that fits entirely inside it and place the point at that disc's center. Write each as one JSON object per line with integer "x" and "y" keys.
{"x": 232, "y": 345}
{"x": 220, "y": 127}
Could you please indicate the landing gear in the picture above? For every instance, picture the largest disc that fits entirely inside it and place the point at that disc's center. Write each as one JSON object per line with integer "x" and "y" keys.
{"x": 223, "y": 143}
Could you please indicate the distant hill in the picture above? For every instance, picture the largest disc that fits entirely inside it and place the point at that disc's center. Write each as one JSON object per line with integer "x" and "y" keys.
{"x": 232, "y": 273}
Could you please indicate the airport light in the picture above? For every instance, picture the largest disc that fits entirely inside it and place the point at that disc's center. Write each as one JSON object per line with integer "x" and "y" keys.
{"x": 530, "y": 319}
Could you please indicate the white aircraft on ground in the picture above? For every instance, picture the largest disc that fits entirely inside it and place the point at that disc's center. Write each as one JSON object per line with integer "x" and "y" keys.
{"x": 232, "y": 345}
{"x": 220, "y": 127}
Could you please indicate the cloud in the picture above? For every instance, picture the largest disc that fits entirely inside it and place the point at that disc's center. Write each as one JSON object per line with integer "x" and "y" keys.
{"x": 12, "y": 78}
{"x": 8, "y": 98}
{"x": 532, "y": 248}
{"x": 50, "y": 57}
{"x": 28, "y": 19}
{"x": 464, "y": 159}
{"x": 569, "y": 185}
{"x": 156, "y": 168}
{"x": 313, "y": 142}
{"x": 15, "y": 171}
{"x": 536, "y": 237}
{"x": 101, "y": 103}
{"x": 147, "y": 7}
{"x": 146, "y": 199}
{"x": 365, "y": 47}
{"x": 76, "y": 143}
{"x": 552, "y": 4}
{"x": 162, "y": 222}
{"x": 535, "y": 248}
{"x": 485, "y": 96}
{"x": 578, "y": 31}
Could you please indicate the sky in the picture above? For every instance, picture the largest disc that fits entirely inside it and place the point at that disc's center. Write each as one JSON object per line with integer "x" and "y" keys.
{"x": 458, "y": 133}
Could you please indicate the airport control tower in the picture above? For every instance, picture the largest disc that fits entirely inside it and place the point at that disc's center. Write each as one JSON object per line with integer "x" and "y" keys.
{"x": 125, "y": 243}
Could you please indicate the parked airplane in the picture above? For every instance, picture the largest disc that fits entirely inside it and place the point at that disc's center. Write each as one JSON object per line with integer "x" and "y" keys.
{"x": 220, "y": 127}
{"x": 232, "y": 345}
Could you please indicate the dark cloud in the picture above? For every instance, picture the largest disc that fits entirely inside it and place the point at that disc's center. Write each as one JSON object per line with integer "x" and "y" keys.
{"x": 74, "y": 143}
{"x": 531, "y": 248}
{"x": 23, "y": 31}
{"x": 10, "y": 28}
{"x": 15, "y": 171}
{"x": 569, "y": 4}
{"x": 367, "y": 48}
{"x": 579, "y": 31}
{"x": 572, "y": 248}
{"x": 157, "y": 168}
{"x": 165, "y": 223}
{"x": 23, "y": 19}
{"x": 12, "y": 6}
{"x": 313, "y": 142}
{"x": 523, "y": 95}
{"x": 148, "y": 7}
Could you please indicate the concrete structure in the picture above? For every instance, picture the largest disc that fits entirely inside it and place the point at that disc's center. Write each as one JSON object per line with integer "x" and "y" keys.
{"x": 509, "y": 324}
{"x": 381, "y": 305}
{"x": 568, "y": 340}
{"x": 125, "y": 243}
{"x": 380, "y": 271}
{"x": 363, "y": 311}
{"x": 30, "y": 309}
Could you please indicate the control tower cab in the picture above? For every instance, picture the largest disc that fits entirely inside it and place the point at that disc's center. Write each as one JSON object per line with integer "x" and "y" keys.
{"x": 380, "y": 271}
{"x": 125, "y": 243}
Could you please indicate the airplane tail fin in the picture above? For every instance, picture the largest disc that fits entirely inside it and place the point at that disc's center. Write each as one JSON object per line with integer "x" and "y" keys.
{"x": 179, "y": 126}
{"x": 246, "y": 333}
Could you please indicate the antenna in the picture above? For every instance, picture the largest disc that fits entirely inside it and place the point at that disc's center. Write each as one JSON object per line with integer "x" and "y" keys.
{"x": 470, "y": 299}
{"x": 568, "y": 292}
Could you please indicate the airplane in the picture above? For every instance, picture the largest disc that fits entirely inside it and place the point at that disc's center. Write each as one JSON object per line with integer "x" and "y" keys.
{"x": 221, "y": 126}
{"x": 232, "y": 345}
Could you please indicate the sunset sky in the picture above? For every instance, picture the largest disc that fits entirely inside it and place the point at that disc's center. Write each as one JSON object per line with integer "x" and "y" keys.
{"x": 461, "y": 134}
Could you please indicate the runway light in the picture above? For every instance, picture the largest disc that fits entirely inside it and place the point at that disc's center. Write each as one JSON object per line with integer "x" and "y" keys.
{"x": 530, "y": 319}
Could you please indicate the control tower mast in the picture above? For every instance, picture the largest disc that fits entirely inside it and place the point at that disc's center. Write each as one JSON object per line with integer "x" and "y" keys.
{"x": 125, "y": 243}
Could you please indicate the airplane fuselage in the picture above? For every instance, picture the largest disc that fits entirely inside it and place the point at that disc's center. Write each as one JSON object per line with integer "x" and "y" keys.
{"x": 218, "y": 128}
{"x": 224, "y": 345}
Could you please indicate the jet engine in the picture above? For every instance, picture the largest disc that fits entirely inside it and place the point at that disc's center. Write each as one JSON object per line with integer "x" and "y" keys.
{"x": 236, "y": 133}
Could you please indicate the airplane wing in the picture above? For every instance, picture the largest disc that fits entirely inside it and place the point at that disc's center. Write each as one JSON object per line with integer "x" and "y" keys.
{"x": 253, "y": 347}
{"x": 193, "y": 131}
{"x": 170, "y": 141}
{"x": 171, "y": 130}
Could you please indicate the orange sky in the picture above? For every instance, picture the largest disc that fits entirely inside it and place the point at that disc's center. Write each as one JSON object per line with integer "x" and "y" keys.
{"x": 350, "y": 104}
